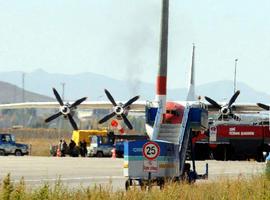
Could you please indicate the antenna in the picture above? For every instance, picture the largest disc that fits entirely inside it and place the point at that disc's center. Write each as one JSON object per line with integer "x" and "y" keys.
{"x": 63, "y": 90}
{"x": 23, "y": 89}
{"x": 235, "y": 66}
{"x": 23, "y": 98}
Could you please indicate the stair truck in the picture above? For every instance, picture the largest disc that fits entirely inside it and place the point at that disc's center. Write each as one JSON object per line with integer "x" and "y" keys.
{"x": 152, "y": 162}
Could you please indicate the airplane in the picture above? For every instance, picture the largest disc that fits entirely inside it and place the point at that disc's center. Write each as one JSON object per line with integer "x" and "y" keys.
{"x": 171, "y": 112}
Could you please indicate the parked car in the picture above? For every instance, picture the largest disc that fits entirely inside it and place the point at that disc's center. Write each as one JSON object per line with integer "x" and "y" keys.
{"x": 8, "y": 146}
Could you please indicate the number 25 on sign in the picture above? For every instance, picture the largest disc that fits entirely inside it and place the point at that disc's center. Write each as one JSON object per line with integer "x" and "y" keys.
{"x": 151, "y": 150}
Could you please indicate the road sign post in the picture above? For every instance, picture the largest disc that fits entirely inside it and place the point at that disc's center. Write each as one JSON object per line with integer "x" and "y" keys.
{"x": 151, "y": 151}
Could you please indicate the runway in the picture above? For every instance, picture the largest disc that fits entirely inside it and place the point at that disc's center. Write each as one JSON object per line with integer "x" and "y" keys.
{"x": 72, "y": 171}
{"x": 75, "y": 172}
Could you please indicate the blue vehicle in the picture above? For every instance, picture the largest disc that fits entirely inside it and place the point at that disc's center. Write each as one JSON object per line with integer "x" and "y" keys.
{"x": 8, "y": 146}
{"x": 102, "y": 146}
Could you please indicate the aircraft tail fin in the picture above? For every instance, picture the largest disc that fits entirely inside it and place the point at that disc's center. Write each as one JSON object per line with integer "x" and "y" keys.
{"x": 191, "y": 85}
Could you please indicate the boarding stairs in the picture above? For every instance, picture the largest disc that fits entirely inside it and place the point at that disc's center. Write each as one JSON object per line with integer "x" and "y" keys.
{"x": 169, "y": 132}
{"x": 184, "y": 138}
{"x": 180, "y": 134}
{"x": 177, "y": 134}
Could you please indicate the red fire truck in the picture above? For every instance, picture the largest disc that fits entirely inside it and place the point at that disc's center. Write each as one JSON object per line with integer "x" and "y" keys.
{"x": 233, "y": 141}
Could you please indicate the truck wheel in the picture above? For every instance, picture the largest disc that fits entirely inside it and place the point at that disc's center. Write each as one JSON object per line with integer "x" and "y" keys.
{"x": 2, "y": 153}
{"x": 18, "y": 153}
{"x": 128, "y": 183}
{"x": 99, "y": 154}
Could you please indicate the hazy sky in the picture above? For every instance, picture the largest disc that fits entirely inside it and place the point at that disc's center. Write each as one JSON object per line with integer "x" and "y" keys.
{"x": 120, "y": 38}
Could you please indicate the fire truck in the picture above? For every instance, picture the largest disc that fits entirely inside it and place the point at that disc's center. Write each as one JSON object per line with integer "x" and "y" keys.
{"x": 233, "y": 140}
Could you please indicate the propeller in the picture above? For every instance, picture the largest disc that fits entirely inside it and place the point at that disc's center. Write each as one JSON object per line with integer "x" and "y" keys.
{"x": 65, "y": 109}
{"x": 225, "y": 110}
{"x": 120, "y": 110}
{"x": 263, "y": 106}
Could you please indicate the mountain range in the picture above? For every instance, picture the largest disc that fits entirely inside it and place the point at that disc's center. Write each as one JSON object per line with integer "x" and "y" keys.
{"x": 12, "y": 94}
{"x": 92, "y": 85}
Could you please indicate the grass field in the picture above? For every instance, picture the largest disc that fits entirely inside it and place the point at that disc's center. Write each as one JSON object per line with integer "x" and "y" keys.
{"x": 252, "y": 188}
{"x": 39, "y": 146}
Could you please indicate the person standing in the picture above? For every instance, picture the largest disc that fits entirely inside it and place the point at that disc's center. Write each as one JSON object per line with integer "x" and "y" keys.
{"x": 58, "y": 151}
{"x": 72, "y": 146}
{"x": 63, "y": 148}
{"x": 81, "y": 148}
{"x": 84, "y": 145}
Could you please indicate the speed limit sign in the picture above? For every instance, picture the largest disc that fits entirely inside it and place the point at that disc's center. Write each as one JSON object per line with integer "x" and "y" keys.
{"x": 151, "y": 150}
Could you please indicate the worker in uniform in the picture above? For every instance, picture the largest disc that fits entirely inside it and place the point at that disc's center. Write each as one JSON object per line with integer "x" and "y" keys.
{"x": 83, "y": 149}
{"x": 63, "y": 148}
{"x": 84, "y": 145}
{"x": 72, "y": 146}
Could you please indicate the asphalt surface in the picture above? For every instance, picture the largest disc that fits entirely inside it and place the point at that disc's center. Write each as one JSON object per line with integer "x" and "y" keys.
{"x": 75, "y": 172}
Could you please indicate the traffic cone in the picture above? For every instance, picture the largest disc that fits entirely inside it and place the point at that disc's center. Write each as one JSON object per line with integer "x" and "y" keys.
{"x": 58, "y": 152}
{"x": 113, "y": 153}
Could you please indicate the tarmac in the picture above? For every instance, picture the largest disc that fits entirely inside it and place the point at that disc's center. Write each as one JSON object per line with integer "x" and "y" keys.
{"x": 78, "y": 172}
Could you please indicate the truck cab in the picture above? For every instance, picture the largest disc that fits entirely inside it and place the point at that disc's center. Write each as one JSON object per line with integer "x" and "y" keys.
{"x": 8, "y": 146}
{"x": 100, "y": 146}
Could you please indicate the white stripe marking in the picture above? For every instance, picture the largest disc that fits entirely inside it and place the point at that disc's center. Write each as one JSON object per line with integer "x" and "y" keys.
{"x": 73, "y": 178}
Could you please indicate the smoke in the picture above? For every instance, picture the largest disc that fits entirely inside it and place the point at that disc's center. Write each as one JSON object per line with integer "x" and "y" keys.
{"x": 139, "y": 46}
{"x": 134, "y": 43}
{"x": 135, "y": 65}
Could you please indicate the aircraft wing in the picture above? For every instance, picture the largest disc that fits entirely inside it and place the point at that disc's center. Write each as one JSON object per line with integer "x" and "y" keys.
{"x": 239, "y": 108}
{"x": 136, "y": 106}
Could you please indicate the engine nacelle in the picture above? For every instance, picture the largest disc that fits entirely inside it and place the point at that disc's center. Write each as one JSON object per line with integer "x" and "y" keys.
{"x": 65, "y": 110}
{"x": 225, "y": 110}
